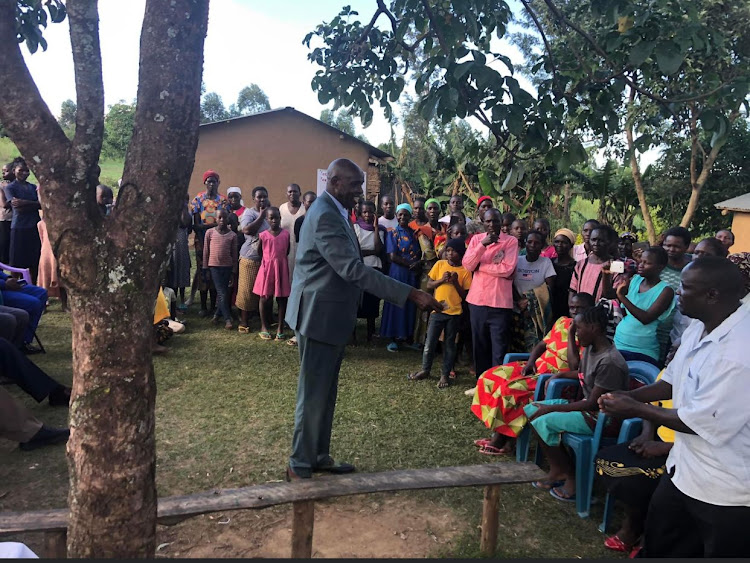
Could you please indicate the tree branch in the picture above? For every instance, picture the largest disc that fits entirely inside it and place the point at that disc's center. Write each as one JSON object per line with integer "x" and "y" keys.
{"x": 23, "y": 112}
{"x": 87, "y": 63}
{"x": 538, "y": 25}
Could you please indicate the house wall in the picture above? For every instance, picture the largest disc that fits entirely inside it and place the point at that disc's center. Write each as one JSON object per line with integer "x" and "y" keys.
{"x": 741, "y": 230}
{"x": 272, "y": 150}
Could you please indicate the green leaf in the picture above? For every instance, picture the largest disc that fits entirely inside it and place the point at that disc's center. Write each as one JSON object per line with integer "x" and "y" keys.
{"x": 708, "y": 119}
{"x": 720, "y": 135}
{"x": 640, "y": 52}
{"x": 484, "y": 182}
{"x": 479, "y": 57}
{"x": 452, "y": 99}
{"x": 428, "y": 106}
{"x": 462, "y": 69}
{"x": 514, "y": 121}
{"x": 668, "y": 57}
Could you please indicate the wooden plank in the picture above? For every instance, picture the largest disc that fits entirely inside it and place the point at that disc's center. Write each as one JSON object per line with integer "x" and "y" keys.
{"x": 490, "y": 506}
{"x": 56, "y": 545}
{"x": 303, "y": 520}
{"x": 177, "y": 508}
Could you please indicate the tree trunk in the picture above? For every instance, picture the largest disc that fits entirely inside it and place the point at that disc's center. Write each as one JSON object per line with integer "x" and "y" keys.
{"x": 112, "y": 454}
{"x": 638, "y": 180}
{"x": 112, "y": 265}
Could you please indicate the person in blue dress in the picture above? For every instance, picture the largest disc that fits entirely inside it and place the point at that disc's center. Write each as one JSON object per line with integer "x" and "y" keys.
{"x": 25, "y": 244}
{"x": 404, "y": 252}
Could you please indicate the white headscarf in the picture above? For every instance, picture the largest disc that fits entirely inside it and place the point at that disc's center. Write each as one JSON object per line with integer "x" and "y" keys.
{"x": 235, "y": 189}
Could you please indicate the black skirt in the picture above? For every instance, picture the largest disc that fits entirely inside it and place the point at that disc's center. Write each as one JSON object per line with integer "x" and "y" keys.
{"x": 370, "y": 306}
{"x": 25, "y": 248}
{"x": 628, "y": 476}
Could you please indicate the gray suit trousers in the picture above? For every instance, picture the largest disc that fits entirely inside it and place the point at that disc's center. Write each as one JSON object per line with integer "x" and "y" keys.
{"x": 316, "y": 399}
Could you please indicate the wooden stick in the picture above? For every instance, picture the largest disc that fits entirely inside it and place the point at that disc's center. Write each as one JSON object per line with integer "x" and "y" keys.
{"x": 488, "y": 542}
{"x": 303, "y": 518}
{"x": 56, "y": 545}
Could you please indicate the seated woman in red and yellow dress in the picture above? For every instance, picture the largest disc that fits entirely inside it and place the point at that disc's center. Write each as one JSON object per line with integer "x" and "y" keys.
{"x": 503, "y": 391}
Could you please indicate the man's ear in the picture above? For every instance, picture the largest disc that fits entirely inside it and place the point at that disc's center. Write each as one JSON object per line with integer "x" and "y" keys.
{"x": 712, "y": 296}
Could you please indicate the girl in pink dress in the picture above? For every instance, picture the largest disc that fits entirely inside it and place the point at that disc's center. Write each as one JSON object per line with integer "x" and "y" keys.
{"x": 273, "y": 277}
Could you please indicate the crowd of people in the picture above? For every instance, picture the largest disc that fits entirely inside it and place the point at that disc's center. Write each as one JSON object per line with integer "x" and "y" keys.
{"x": 474, "y": 289}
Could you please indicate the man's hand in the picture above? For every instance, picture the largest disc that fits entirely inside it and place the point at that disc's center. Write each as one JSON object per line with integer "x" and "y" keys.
{"x": 11, "y": 284}
{"x": 490, "y": 238}
{"x": 425, "y": 301}
{"x": 619, "y": 405}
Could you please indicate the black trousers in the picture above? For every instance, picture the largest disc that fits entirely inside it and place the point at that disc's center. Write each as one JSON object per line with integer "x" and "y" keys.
{"x": 23, "y": 372}
{"x": 680, "y": 526}
{"x": 5, "y": 241}
{"x": 489, "y": 336}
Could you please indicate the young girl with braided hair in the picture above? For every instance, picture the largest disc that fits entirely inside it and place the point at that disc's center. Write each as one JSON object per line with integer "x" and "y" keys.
{"x": 602, "y": 369}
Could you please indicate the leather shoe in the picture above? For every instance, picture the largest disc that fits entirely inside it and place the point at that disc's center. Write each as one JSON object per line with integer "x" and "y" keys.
{"x": 44, "y": 437}
{"x": 337, "y": 467}
{"x": 292, "y": 476}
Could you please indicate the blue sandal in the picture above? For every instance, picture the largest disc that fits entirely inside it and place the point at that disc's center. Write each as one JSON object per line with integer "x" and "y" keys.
{"x": 392, "y": 347}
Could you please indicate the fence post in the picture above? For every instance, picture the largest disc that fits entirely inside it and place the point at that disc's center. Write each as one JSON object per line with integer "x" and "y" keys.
{"x": 488, "y": 542}
{"x": 56, "y": 544}
{"x": 303, "y": 518}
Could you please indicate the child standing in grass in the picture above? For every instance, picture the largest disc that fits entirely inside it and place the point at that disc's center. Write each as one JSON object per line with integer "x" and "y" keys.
{"x": 220, "y": 256}
{"x": 451, "y": 282}
{"x": 273, "y": 277}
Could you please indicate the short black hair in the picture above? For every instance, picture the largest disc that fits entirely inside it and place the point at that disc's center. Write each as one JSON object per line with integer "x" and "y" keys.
{"x": 540, "y": 234}
{"x": 586, "y": 299}
{"x": 611, "y": 234}
{"x": 257, "y": 189}
{"x": 366, "y": 203}
{"x": 659, "y": 253}
{"x": 543, "y": 221}
{"x": 592, "y": 221}
{"x": 680, "y": 232}
{"x": 420, "y": 198}
{"x": 304, "y": 195}
{"x": 270, "y": 208}
{"x": 716, "y": 246}
{"x": 507, "y": 217}
{"x": 719, "y": 274}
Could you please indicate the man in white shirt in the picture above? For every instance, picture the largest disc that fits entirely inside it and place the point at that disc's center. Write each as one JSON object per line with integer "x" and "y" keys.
{"x": 455, "y": 204}
{"x": 701, "y": 507}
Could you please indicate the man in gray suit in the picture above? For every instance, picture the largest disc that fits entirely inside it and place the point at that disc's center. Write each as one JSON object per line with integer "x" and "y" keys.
{"x": 329, "y": 278}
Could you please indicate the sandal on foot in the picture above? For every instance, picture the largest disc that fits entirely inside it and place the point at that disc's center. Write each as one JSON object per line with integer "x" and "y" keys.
{"x": 292, "y": 341}
{"x": 444, "y": 383}
{"x": 243, "y": 329}
{"x": 415, "y": 376}
{"x": 280, "y": 336}
{"x": 561, "y": 494}
{"x": 481, "y": 442}
{"x": 265, "y": 335}
{"x": 452, "y": 375}
{"x": 492, "y": 450}
{"x": 546, "y": 485}
{"x": 392, "y": 347}
{"x": 615, "y": 543}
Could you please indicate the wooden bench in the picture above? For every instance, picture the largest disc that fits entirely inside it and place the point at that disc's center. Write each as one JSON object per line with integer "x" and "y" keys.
{"x": 302, "y": 494}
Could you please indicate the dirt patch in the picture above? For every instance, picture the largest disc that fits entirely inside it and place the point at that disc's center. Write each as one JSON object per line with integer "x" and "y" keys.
{"x": 351, "y": 527}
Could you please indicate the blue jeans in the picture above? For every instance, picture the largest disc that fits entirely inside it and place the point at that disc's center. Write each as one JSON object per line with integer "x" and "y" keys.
{"x": 33, "y": 300}
{"x": 437, "y": 323}
{"x": 221, "y": 276}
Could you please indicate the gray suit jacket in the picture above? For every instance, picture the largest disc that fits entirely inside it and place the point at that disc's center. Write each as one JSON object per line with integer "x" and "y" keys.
{"x": 329, "y": 277}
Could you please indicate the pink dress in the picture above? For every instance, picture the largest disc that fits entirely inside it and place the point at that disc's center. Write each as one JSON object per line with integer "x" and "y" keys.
{"x": 273, "y": 276}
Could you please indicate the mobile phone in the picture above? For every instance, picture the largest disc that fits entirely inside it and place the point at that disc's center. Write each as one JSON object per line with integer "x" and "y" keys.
{"x": 617, "y": 267}
{"x": 22, "y": 282}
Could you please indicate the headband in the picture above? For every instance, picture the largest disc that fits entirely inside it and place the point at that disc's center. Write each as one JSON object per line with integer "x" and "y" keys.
{"x": 405, "y": 206}
{"x": 481, "y": 199}
{"x": 208, "y": 173}
{"x": 431, "y": 200}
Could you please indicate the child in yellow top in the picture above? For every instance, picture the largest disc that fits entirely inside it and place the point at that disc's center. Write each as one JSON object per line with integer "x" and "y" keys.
{"x": 451, "y": 282}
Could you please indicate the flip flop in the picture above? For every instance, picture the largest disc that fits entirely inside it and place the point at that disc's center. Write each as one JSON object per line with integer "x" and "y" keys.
{"x": 481, "y": 442}
{"x": 615, "y": 543}
{"x": 413, "y": 376}
{"x": 492, "y": 450}
{"x": 546, "y": 485}
{"x": 392, "y": 347}
{"x": 554, "y": 492}
{"x": 265, "y": 335}
{"x": 291, "y": 342}
{"x": 452, "y": 375}
{"x": 243, "y": 329}
{"x": 280, "y": 336}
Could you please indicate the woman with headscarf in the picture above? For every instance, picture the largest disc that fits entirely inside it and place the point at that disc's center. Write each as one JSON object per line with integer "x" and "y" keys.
{"x": 429, "y": 258}
{"x": 290, "y": 212}
{"x": 204, "y": 209}
{"x": 403, "y": 248}
{"x": 236, "y": 204}
{"x": 564, "y": 265}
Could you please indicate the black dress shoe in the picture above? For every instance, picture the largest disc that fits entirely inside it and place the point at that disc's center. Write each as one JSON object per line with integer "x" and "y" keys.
{"x": 45, "y": 437}
{"x": 337, "y": 467}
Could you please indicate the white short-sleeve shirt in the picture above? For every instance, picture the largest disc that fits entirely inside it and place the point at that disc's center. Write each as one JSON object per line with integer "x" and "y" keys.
{"x": 710, "y": 378}
{"x": 530, "y": 275}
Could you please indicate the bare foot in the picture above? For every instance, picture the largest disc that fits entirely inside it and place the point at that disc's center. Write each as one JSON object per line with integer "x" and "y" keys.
{"x": 444, "y": 382}
{"x": 418, "y": 375}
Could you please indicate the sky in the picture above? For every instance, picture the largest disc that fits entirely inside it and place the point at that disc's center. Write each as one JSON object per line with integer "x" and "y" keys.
{"x": 248, "y": 41}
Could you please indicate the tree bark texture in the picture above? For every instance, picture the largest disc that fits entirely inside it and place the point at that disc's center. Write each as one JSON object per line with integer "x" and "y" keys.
{"x": 112, "y": 265}
{"x": 638, "y": 180}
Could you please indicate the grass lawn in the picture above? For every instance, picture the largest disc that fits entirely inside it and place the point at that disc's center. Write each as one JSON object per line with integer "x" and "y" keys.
{"x": 224, "y": 419}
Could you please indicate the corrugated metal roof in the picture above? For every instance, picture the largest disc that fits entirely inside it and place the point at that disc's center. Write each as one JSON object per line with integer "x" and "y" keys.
{"x": 739, "y": 203}
{"x": 373, "y": 150}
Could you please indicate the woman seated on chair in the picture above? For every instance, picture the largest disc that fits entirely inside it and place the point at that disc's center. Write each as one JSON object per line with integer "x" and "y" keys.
{"x": 602, "y": 369}
{"x": 503, "y": 391}
{"x": 631, "y": 472}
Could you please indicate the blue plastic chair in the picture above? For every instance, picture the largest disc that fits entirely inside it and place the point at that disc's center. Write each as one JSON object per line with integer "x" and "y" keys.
{"x": 584, "y": 446}
{"x": 630, "y": 429}
{"x": 515, "y": 357}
